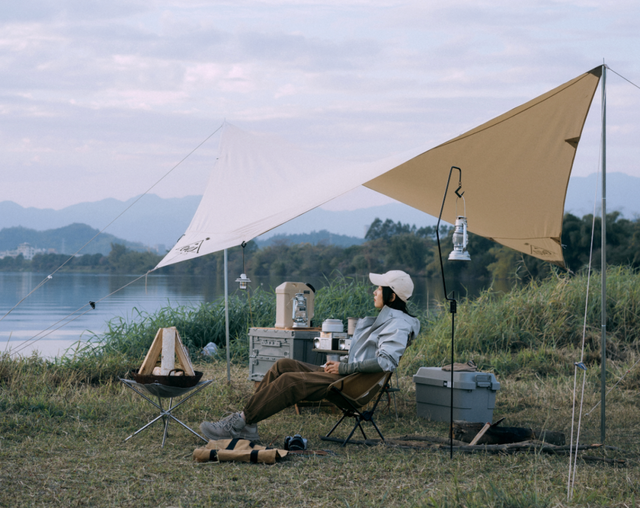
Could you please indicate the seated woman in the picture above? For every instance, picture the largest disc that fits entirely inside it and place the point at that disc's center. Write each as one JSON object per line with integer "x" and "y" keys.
{"x": 377, "y": 345}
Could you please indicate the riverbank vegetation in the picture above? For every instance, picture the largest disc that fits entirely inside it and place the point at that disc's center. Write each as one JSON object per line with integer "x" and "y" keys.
{"x": 387, "y": 245}
{"x": 537, "y": 327}
{"x": 63, "y": 422}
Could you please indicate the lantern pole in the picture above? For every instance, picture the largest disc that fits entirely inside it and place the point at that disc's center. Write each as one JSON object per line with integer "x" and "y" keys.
{"x": 452, "y": 301}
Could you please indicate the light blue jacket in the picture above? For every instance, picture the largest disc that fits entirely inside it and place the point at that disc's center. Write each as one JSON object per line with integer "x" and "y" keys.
{"x": 383, "y": 337}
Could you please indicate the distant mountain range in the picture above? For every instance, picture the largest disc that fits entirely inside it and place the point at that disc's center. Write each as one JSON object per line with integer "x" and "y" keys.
{"x": 315, "y": 237}
{"x": 622, "y": 195}
{"x": 158, "y": 222}
{"x": 65, "y": 240}
{"x": 153, "y": 221}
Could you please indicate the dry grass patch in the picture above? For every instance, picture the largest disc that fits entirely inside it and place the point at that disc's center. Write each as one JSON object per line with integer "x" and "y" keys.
{"x": 62, "y": 445}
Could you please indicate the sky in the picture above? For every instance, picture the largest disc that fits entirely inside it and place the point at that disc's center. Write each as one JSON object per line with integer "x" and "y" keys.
{"x": 101, "y": 99}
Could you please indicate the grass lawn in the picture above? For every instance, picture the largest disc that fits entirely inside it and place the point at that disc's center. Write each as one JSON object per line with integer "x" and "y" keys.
{"x": 62, "y": 444}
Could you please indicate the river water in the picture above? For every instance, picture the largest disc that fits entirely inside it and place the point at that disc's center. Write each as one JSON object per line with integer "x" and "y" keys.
{"x": 57, "y": 314}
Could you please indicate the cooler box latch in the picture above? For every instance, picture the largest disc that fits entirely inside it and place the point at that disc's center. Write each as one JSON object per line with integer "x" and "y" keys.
{"x": 483, "y": 380}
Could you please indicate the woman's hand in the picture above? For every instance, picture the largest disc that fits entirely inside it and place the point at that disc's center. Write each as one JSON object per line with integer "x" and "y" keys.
{"x": 332, "y": 367}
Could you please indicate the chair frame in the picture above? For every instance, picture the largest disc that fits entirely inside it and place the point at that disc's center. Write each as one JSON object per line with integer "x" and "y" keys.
{"x": 391, "y": 390}
{"x": 352, "y": 411}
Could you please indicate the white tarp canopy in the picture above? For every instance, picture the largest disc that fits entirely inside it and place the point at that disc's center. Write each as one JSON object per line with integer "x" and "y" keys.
{"x": 515, "y": 172}
{"x": 259, "y": 183}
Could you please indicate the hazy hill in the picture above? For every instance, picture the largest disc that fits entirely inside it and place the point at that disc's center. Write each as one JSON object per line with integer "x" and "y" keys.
{"x": 622, "y": 194}
{"x": 154, "y": 220}
{"x": 151, "y": 221}
{"x": 66, "y": 240}
{"x": 314, "y": 238}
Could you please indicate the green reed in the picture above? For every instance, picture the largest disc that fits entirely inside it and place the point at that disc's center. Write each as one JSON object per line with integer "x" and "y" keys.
{"x": 535, "y": 325}
{"x": 126, "y": 341}
{"x": 535, "y": 328}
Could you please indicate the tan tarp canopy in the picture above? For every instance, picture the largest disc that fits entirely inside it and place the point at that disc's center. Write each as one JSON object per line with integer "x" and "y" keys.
{"x": 515, "y": 172}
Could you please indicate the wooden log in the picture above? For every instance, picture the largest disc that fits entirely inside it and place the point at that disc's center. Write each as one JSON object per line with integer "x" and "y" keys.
{"x": 526, "y": 446}
{"x": 183, "y": 356}
{"x": 535, "y": 444}
{"x": 549, "y": 436}
{"x": 168, "y": 359}
{"x": 481, "y": 433}
{"x": 466, "y": 431}
{"x": 613, "y": 462}
{"x": 166, "y": 345}
{"x": 151, "y": 358}
{"x": 436, "y": 443}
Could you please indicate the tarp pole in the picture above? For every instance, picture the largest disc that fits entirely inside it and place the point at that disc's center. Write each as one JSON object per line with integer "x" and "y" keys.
{"x": 603, "y": 363}
{"x": 226, "y": 314}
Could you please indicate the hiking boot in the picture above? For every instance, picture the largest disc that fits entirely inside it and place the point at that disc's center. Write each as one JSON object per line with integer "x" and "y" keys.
{"x": 231, "y": 427}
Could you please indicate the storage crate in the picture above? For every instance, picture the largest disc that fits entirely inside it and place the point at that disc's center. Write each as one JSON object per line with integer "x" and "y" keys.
{"x": 268, "y": 345}
{"x": 474, "y": 395}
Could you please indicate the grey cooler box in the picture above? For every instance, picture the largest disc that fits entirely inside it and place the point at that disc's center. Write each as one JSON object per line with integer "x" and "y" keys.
{"x": 268, "y": 345}
{"x": 474, "y": 395}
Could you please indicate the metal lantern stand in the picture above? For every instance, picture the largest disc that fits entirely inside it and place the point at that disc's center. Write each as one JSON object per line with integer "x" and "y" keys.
{"x": 452, "y": 301}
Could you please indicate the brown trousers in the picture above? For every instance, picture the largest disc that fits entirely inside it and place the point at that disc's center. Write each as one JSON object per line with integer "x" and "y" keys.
{"x": 286, "y": 383}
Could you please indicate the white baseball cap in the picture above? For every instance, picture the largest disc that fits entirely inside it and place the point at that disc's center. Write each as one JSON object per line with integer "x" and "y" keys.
{"x": 397, "y": 280}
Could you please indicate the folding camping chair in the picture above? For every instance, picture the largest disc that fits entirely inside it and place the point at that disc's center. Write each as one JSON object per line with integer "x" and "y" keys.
{"x": 352, "y": 394}
{"x": 391, "y": 390}
{"x": 165, "y": 392}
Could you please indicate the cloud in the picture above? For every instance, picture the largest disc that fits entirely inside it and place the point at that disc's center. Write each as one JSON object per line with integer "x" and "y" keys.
{"x": 47, "y": 10}
{"x": 120, "y": 90}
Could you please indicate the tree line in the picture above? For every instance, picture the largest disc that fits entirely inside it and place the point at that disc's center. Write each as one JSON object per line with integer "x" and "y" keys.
{"x": 388, "y": 245}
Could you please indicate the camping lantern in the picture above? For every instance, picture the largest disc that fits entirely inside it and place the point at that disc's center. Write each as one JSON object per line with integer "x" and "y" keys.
{"x": 243, "y": 280}
{"x": 299, "y": 313}
{"x": 460, "y": 241}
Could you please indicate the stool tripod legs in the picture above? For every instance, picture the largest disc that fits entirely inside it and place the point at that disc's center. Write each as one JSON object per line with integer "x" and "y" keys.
{"x": 166, "y": 420}
{"x": 165, "y": 414}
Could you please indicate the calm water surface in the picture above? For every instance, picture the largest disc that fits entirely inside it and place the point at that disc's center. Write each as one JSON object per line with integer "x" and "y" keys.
{"x": 49, "y": 320}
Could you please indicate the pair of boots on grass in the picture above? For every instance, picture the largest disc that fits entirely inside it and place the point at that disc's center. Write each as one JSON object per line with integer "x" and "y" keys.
{"x": 232, "y": 427}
